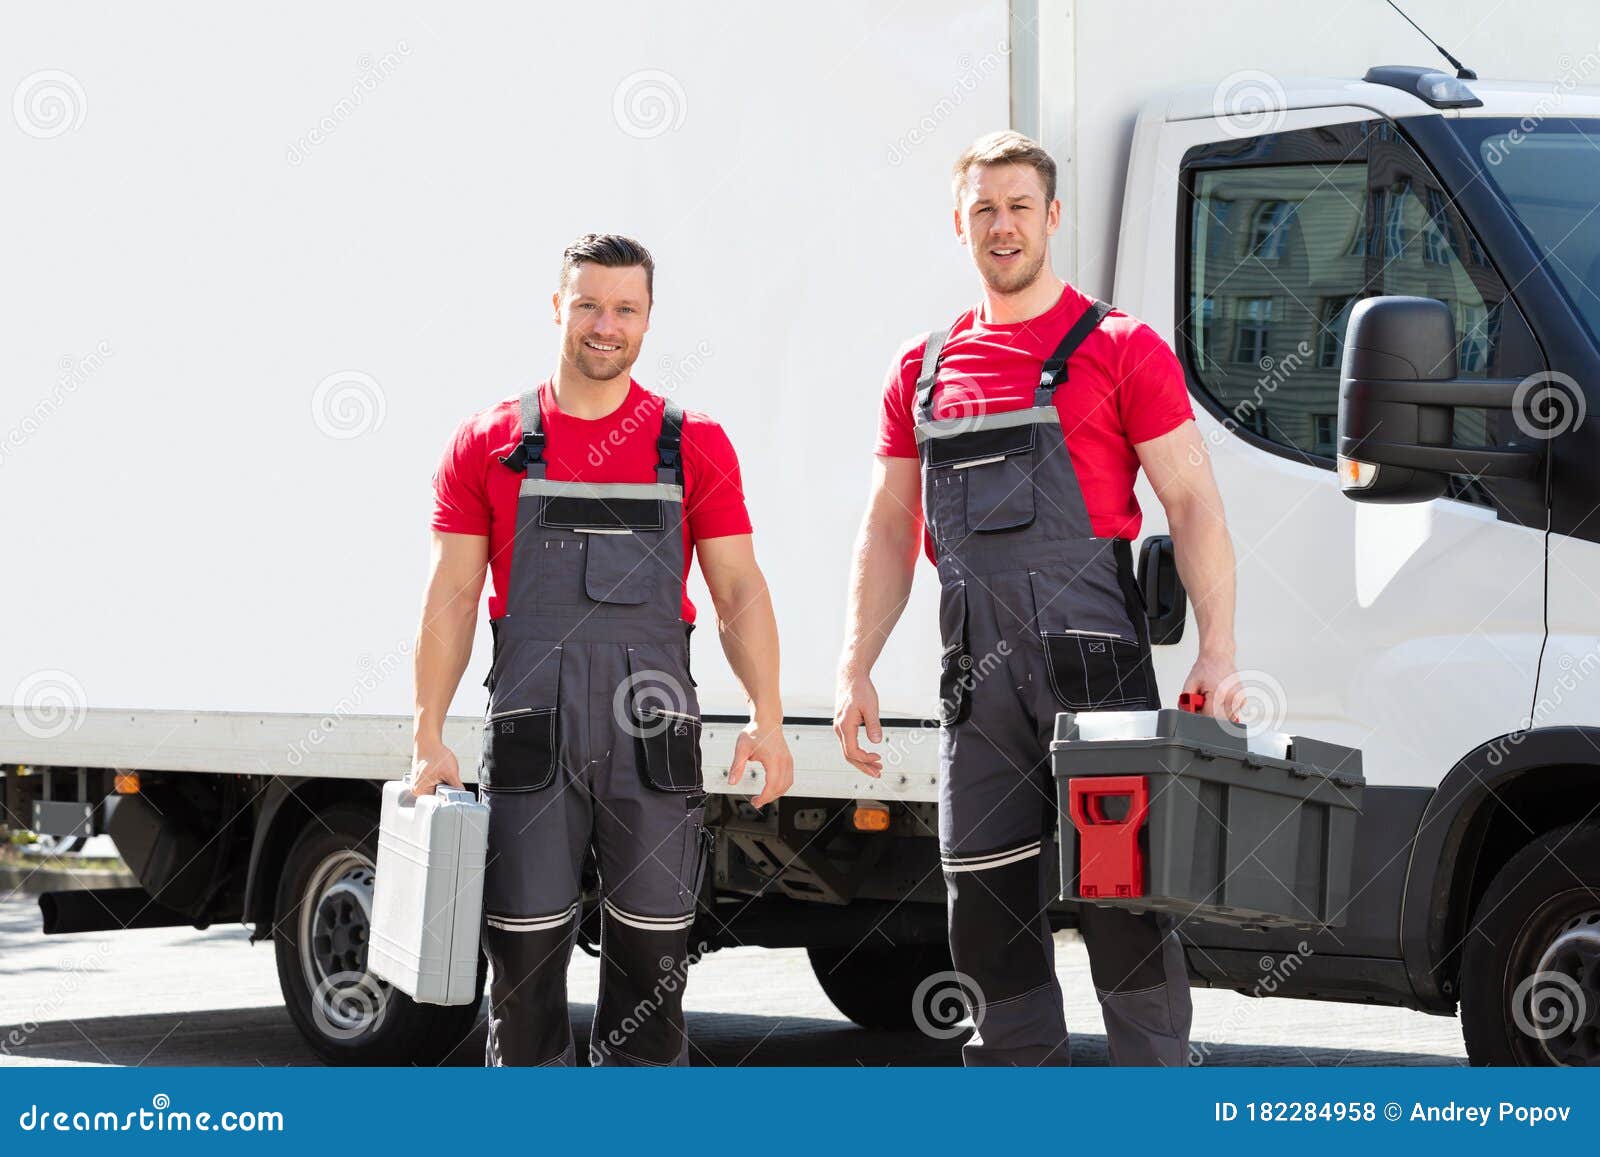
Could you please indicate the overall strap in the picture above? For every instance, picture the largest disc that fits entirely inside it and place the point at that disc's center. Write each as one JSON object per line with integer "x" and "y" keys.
{"x": 1054, "y": 371}
{"x": 669, "y": 445}
{"x": 928, "y": 375}
{"x": 529, "y": 454}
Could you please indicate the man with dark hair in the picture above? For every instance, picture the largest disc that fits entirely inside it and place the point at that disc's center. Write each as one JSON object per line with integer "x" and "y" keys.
{"x": 584, "y": 499}
{"x": 1008, "y": 447}
{"x": 609, "y": 251}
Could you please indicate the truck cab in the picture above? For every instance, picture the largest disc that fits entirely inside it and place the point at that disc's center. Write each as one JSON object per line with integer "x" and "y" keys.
{"x": 1381, "y": 292}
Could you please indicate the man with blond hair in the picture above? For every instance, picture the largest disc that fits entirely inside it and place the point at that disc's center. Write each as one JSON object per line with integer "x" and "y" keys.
{"x": 1009, "y": 444}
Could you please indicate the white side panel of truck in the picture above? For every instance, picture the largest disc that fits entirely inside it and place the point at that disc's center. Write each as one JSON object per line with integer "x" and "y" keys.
{"x": 257, "y": 278}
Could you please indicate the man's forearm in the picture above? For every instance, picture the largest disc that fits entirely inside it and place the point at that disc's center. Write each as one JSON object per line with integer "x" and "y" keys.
{"x": 880, "y": 584}
{"x": 443, "y": 650}
{"x": 748, "y": 630}
{"x": 1206, "y": 565}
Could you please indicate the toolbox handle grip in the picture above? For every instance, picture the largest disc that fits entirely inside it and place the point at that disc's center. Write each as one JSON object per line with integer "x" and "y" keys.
{"x": 1086, "y": 796}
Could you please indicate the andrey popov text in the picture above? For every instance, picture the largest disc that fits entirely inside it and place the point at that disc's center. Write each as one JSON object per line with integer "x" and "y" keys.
{"x": 1450, "y": 1112}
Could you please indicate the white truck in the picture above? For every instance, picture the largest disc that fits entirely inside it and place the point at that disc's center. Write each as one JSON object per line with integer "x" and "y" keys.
{"x": 266, "y": 270}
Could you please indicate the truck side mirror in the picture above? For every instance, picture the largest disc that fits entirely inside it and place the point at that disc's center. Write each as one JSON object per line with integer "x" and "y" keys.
{"x": 1165, "y": 603}
{"x": 1397, "y": 393}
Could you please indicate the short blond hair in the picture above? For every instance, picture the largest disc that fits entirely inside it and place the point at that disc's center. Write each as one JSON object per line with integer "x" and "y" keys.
{"x": 1006, "y": 148}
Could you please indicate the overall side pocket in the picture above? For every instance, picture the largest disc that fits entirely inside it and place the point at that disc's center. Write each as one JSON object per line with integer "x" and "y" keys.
{"x": 691, "y": 872}
{"x": 1092, "y": 661}
{"x": 522, "y": 731}
{"x": 1091, "y": 671}
{"x": 667, "y": 738}
{"x": 955, "y": 662}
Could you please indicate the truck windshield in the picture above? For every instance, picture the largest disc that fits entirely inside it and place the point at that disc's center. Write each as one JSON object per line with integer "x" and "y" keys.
{"x": 1549, "y": 172}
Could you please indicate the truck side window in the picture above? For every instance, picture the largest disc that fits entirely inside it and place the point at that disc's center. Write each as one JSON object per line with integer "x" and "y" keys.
{"x": 1285, "y": 233}
{"x": 1276, "y": 259}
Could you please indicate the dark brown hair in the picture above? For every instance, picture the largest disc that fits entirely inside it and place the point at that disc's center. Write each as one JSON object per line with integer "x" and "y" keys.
{"x": 612, "y": 250}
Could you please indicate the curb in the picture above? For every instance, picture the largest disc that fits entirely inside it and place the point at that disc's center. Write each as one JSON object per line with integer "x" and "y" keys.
{"x": 31, "y": 880}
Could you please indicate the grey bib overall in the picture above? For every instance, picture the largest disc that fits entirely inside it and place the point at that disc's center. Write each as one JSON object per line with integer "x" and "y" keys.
{"x": 1037, "y": 616}
{"x": 592, "y": 738}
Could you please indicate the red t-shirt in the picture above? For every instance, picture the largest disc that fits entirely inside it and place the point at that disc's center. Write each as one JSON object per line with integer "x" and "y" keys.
{"x": 1124, "y": 386}
{"x": 475, "y": 493}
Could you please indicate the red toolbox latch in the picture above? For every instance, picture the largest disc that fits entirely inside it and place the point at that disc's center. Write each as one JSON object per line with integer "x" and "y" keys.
{"x": 1110, "y": 864}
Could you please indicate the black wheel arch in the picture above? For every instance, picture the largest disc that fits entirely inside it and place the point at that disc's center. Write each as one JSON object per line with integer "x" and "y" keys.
{"x": 286, "y": 806}
{"x": 1501, "y": 795}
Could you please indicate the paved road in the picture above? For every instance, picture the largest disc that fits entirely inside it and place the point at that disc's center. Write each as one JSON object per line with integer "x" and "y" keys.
{"x": 173, "y": 996}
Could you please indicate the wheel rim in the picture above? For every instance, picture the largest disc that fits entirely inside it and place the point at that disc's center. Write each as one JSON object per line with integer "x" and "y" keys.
{"x": 335, "y": 927}
{"x": 1559, "y": 1004}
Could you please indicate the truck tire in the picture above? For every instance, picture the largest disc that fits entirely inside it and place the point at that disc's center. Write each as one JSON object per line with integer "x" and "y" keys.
{"x": 1530, "y": 971}
{"x": 347, "y": 1015}
{"x": 883, "y": 987}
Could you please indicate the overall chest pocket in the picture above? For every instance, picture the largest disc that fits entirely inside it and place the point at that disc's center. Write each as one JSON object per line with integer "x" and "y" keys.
{"x": 999, "y": 493}
{"x": 664, "y": 718}
{"x": 620, "y": 568}
{"x": 522, "y": 730}
{"x": 993, "y": 468}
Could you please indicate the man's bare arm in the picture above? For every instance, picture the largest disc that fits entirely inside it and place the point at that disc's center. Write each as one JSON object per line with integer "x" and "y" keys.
{"x": 748, "y": 630}
{"x": 443, "y": 650}
{"x": 880, "y": 583}
{"x": 1179, "y": 470}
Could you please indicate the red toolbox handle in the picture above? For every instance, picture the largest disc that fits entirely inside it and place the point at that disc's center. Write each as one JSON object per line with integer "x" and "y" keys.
{"x": 1110, "y": 864}
{"x": 1192, "y": 701}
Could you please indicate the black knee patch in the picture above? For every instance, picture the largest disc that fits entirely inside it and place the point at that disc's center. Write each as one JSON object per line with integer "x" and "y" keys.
{"x": 996, "y": 934}
{"x": 639, "y": 1017}
{"x": 528, "y": 1022}
{"x": 1126, "y": 949}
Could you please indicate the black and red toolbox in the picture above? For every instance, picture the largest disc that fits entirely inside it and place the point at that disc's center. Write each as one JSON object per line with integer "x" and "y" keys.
{"x": 1178, "y": 812}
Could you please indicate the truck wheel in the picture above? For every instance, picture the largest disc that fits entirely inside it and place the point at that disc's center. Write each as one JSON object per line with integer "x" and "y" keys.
{"x": 324, "y": 906}
{"x": 1530, "y": 971}
{"x": 883, "y": 988}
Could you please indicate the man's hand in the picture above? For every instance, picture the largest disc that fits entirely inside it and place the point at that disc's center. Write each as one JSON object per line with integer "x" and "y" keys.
{"x": 432, "y": 763}
{"x": 767, "y": 747}
{"x": 855, "y": 706}
{"x": 1214, "y": 677}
